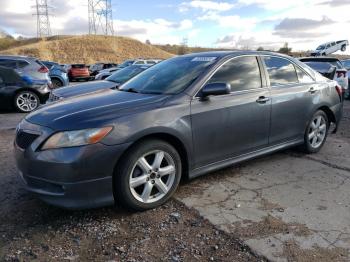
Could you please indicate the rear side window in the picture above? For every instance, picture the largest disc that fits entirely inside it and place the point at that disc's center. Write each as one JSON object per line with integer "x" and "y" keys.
{"x": 139, "y": 63}
{"x": 22, "y": 64}
{"x": 78, "y": 66}
{"x": 280, "y": 71}
{"x": 242, "y": 73}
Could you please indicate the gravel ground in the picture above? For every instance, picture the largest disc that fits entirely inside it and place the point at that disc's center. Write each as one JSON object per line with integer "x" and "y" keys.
{"x": 32, "y": 230}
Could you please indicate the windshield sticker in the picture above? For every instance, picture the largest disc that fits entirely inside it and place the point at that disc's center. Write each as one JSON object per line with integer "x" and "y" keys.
{"x": 203, "y": 59}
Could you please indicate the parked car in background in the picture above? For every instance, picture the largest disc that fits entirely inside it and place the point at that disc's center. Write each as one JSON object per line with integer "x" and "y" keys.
{"x": 139, "y": 62}
{"x": 111, "y": 82}
{"x": 26, "y": 66}
{"x": 183, "y": 117}
{"x": 103, "y": 74}
{"x": 58, "y": 75}
{"x": 346, "y": 64}
{"x": 341, "y": 74}
{"x": 96, "y": 68}
{"x": 330, "y": 48}
{"x": 78, "y": 72}
{"x": 21, "y": 93}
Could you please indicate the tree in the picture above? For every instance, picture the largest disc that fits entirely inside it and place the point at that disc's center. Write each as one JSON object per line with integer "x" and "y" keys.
{"x": 260, "y": 48}
{"x": 285, "y": 49}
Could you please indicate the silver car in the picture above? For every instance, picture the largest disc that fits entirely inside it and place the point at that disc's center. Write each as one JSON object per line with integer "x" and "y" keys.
{"x": 26, "y": 67}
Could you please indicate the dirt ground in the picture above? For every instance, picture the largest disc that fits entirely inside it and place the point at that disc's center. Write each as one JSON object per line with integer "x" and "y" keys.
{"x": 31, "y": 230}
{"x": 287, "y": 206}
{"x": 284, "y": 207}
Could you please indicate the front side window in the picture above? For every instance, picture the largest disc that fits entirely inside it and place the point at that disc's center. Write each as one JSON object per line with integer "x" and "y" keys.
{"x": 280, "y": 71}
{"x": 8, "y": 63}
{"x": 241, "y": 73}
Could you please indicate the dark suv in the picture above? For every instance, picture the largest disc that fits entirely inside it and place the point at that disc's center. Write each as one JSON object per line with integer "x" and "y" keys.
{"x": 184, "y": 117}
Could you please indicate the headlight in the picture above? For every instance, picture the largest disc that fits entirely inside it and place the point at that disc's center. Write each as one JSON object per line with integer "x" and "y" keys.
{"x": 76, "y": 138}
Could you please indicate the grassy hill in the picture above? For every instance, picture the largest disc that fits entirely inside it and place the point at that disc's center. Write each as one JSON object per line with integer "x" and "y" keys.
{"x": 85, "y": 49}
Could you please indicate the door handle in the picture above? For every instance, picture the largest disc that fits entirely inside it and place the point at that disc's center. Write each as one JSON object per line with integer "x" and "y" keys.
{"x": 262, "y": 99}
{"x": 312, "y": 90}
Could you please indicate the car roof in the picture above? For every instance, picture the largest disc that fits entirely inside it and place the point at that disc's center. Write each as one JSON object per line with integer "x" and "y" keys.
{"x": 228, "y": 53}
{"x": 16, "y": 57}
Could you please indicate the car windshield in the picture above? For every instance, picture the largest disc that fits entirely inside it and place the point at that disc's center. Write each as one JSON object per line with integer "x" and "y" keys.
{"x": 125, "y": 74}
{"x": 171, "y": 76}
{"x": 321, "y": 47}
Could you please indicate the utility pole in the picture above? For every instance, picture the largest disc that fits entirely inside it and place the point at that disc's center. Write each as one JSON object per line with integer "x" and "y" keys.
{"x": 42, "y": 18}
{"x": 100, "y": 17}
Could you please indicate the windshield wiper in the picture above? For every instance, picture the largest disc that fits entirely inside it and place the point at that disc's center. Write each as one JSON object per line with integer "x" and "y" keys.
{"x": 131, "y": 90}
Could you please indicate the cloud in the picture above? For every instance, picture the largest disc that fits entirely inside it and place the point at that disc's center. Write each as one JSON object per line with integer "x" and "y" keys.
{"x": 336, "y": 3}
{"x": 229, "y": 21}
{"x": 302, "y": 27}
{"x": 206, "y": 6}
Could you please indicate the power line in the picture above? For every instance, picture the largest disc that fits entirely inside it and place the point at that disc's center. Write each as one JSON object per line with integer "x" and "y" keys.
{"x": 100, "y": 17}
{"x": 42, "y": 18}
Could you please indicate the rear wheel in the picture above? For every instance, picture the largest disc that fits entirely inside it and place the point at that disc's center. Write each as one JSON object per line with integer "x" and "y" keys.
{"x": 56, "y": 83}
{"x": 316, "y": 132}
{"x": 26, "y": 101}
{"x": 147, "y": 176}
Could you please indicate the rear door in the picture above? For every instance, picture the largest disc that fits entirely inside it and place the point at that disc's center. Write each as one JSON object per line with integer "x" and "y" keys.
{"x": 229, "y": 125}
{"x": 292, "y": 94}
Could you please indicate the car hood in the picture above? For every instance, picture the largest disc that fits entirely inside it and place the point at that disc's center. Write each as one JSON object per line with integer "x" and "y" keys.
{"x": 84, "y": 88}
{"x": 92, "y": 110}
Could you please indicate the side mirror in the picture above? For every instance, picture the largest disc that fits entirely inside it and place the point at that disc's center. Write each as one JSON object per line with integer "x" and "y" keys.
{"x": 215, "y": 89}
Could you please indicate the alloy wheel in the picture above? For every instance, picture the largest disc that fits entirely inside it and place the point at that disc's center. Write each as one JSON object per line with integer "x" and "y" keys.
{"x": 27, "y": 102}
{"x": 317, "y": 131}
{"x": 152, "y": 176}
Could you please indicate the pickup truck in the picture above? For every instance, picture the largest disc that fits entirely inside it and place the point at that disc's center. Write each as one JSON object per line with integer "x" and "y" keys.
{"x": 330, "y": 48}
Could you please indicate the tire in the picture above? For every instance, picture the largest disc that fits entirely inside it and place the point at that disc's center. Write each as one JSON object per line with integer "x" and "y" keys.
{"x": 139, "y": 184}
{"x": 343, "y": 48}
{"x": 56, "y": 83}
{"x": 26, "y": 101}
{"x": 316, "y": 133}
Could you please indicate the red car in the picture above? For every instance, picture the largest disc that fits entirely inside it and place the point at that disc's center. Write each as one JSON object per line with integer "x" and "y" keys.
{"x": 78, "y": 72}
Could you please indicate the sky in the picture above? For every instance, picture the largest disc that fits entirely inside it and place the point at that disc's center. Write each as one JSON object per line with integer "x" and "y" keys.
{"x": 243, "y": 24}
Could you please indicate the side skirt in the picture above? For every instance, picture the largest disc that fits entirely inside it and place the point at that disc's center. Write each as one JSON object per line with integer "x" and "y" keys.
{"x": 235, "y": 160}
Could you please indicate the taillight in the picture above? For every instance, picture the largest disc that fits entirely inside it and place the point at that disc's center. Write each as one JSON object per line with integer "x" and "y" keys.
{"x": 340, "y": 91}
{"x": 43, "y": 69}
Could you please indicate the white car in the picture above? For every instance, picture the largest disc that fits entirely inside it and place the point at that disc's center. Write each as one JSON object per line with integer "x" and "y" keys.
{"x": 330, "y": 48}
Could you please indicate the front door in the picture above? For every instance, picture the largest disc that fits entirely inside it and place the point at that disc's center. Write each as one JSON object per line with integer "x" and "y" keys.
{"x": 234, "y": 124}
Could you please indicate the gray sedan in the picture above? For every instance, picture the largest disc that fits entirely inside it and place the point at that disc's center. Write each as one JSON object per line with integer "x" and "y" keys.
{"x": 184, "y": 117}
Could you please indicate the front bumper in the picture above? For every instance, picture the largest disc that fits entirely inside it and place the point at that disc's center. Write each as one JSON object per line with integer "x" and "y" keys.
{"x": 73, "y": 178}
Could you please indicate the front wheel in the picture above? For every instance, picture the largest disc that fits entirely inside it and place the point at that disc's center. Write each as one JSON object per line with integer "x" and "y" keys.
{"x": 316, "y": 132}
{"x": 147, "y": 176}
{"x": 343, "y": 48}
{"x": 26, "y": 101}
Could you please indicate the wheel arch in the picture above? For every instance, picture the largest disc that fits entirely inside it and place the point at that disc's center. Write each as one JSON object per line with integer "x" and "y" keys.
{"x": 329, "y": 113}
{"x": 57, "y": 78}
{"x": 173, "y": 140}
